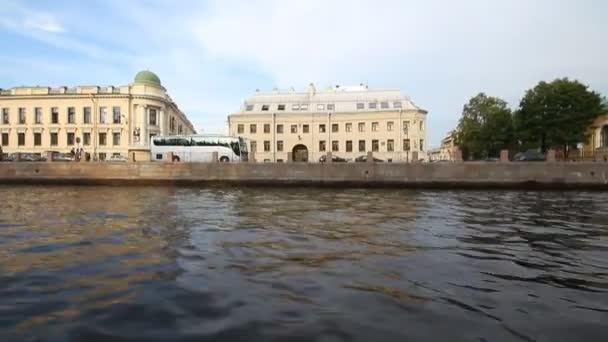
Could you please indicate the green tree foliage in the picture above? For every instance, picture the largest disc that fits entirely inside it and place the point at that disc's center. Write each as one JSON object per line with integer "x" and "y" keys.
{"x": 556, "y": 115}
{"x": 485, "y": 128}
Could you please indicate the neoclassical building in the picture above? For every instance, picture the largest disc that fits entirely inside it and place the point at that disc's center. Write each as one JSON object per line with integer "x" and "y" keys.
{"x": 347, "y": 121}
{"x": 103, "y": 121}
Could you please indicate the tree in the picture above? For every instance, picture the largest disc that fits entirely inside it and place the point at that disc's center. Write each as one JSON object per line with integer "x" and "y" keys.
{"x": 485, "y": 128}
{"x": 557, "y": 114}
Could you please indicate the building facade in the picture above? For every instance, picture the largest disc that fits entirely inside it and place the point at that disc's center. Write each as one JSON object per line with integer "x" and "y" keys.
{"x": 347, "y": 121}
{"x": 103, "y": 121}
{"x": 598, "y": 137}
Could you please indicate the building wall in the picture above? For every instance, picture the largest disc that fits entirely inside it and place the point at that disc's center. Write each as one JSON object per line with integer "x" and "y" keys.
{"x": 595, "y": 135}
{"x": 136, "y": 103}
{"x": 330, "y": 127}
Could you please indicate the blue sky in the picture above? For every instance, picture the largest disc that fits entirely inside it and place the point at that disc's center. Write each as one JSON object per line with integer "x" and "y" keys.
{"x": 211, "y": 55}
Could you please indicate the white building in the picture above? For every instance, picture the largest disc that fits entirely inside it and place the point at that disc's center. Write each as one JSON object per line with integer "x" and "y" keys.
{"x": 347, "y": 121}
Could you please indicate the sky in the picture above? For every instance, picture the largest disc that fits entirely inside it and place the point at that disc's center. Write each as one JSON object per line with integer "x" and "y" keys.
{"x": 212, "y": 55}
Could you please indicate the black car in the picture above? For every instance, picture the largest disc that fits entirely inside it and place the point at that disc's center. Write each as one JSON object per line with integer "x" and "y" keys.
{"x": 363, "y": 159}
{"x": 529, "y": 156}
{"x": 334, "y": 159}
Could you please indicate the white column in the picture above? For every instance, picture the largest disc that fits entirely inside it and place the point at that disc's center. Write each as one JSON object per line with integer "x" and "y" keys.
{"x": 162, "y": 120}
{"x": 143, "y": 124}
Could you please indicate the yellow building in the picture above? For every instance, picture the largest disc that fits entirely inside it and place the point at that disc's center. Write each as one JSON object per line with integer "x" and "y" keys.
{"x": 103, "y": 121}
{"x": 347, "y": 121}
{"x": 598, "y": 136}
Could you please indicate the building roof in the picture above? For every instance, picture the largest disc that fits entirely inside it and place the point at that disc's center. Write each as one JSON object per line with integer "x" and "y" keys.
{"x": 345, "y": 98}
{"x": 147, "y": 76}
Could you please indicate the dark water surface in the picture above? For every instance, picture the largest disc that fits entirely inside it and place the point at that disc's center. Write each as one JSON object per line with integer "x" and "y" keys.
{"x": 261, "y": 264}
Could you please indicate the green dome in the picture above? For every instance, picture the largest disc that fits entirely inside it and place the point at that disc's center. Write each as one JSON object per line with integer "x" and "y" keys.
{"x": 147, "y": 77}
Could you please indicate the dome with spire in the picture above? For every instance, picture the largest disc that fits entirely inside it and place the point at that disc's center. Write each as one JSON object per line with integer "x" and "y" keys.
{"x": 148, "y": 77}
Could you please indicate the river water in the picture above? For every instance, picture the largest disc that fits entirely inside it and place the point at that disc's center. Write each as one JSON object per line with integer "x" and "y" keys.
{"x": 300, "y": 264}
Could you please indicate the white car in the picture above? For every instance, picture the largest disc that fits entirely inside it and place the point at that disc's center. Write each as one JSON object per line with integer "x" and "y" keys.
{"x": 117, "y": 158}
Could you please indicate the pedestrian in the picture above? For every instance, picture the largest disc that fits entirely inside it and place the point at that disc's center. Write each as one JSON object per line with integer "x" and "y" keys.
{"x": 1, "y": 153}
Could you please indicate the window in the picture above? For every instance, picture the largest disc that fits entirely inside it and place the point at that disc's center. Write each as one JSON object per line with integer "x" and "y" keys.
{"x": 86, "y": 115}
{"x": 265, "y": 108}
{"x": 70, "y": 139}
{"x": 116, "y": 139}
{"x": 375, "y": 146}
{"x": 102, "y": 156}
{"x": 37, "y": 139}
{"x": 349, "y": 145}
{"x": 390, "y": 145}
{"x": 294, "y": 128}
{"x": 240, "y": 128}
{"x": 55, "y": 115}
{"x": 102, "y": 115}
{"x": 102, "y": 139}
{"x": 86, "y": 139}
{"x": 334, "y": 145}
{"x": 253, "y": 128}
{"x": 361, "y": 145}
{"x": 373, "y": 105}
{"x": 295, "y": 107}
{"x": 4, "y": 139}
{"x": 280, "y": 145}
{"x": 331, "y": 106}
{"x": 361, "y": 126}
{"x": 21, "y": 116}
{"x": 384, "y": 105}
{"x": 305, "y": 128}
{"x": 172, "y": 124}
{"x": 5, "y": 116}
{"x": 406, "y": 127}
{"x": 71, "y": 115}
{"x": 180, "y": 129}
{"x": 254, "y": 146}
{"x": 304, "y": 107}
{"x": 249, "y": 108}
{"x": 152, "y": 113}
{"x": 421, "y": 144}
{"x": 116, "y": 116}
{"x": 322, "y": 128}
{"x": 266, "y": 128}
{"x": 406, "y": 144}
{"x": 54, "y": 139}
{"x": 390, "y": 126}
{"x": 322, "y": 146}
{"x": 397, "y": 104}
{"x": 320, "y": 107}
{"x": 374, "y": 127}
{"x": 334, "y": 128}
{"x": 281, "y": 107}
{"x": 279, "y": 129}
{"x": 266, "y": 146}
{"x": 421, "y": 125}
{"x": 348, "y": 127}
{"x": 38, "y": 115}
{"x": 20, "y": 139}
{"x": 152, "y": 116}
{"x": 360, "y": 106}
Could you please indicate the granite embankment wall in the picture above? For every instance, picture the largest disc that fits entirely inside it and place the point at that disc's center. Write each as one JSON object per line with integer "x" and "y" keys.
{"x": 448, "y": 175}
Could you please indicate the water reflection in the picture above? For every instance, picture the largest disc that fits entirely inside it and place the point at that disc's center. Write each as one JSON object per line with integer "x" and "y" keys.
{"x": 252, "y": 264}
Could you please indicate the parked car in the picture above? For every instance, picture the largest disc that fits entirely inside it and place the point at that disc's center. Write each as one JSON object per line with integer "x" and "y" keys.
{"x": 334, "y": 159}
{"x": 363, "y": 158}
{"x": 117, "y": 159}
{"x": 63, "y": 157}
{"x": 530, "y": 155}
{"x": 32, "y": 157}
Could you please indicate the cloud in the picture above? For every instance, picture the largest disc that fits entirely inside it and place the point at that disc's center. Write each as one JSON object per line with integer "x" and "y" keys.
{"x": 43, "y": 22}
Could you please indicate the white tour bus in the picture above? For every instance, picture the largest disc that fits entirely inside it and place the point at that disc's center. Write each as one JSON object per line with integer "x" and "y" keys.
{"x": 199, "y": 148}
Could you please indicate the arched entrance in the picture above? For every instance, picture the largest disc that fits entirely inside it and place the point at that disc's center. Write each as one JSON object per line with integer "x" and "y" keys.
{"x": 299, "y": 153}
{"x": 604, "y": 137}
